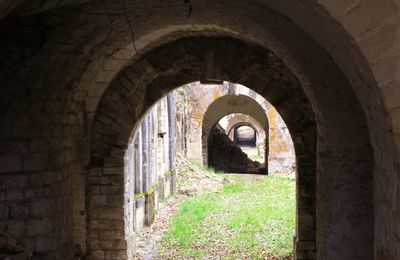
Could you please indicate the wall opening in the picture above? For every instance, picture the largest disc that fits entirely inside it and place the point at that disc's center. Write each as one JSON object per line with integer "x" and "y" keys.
{"x": 149, "y": 162}
{"x": 245, "y": 136}
{"x": 300, "y": 98}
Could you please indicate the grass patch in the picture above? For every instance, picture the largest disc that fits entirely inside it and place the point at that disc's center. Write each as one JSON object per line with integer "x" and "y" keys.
{"x": 203, "y": 167}
{"x": 252, "y": 216}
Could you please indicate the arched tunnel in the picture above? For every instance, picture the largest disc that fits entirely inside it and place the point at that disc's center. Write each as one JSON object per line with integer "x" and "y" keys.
{"x": 79, "y": 76}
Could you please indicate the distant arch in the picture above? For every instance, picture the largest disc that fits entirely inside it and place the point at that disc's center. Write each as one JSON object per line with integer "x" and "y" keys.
{"x": 226, "y": 105}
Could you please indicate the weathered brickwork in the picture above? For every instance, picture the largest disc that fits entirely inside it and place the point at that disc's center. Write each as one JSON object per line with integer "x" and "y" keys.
{"x": 147, "y": 179}
{"x": 57, "y": 67}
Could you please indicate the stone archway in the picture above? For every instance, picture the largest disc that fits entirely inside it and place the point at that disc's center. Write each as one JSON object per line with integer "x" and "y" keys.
{"x": 242, "y": 119}
{"x": 137, "y": 87}
{"x": 349, "y": 36}
{"x": 257, "y": 131}
{"x": 230, "y": 104}
{"x": 245, "y": 134}
{"x": 246, "y": 120}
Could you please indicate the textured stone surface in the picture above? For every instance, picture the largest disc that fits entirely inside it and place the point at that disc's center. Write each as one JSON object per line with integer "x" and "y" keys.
{"x": 343, "y": 53}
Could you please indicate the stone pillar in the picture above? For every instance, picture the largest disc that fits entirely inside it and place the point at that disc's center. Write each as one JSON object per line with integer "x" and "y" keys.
{"x": 172, "y": 137}
{"x": 150, "y": 198}
{"x": 172, "y": 129}
{"x": 138, "y": 162}
{"x": 266, "y": 147}
{"x": 305, "y": 237}
{"x": 129, "y": 199}
{"x": 145, "y": 154}
{"x": 141, "y": 174}
{"x": 153, "y": 154}
{"x": 165, "y": 125}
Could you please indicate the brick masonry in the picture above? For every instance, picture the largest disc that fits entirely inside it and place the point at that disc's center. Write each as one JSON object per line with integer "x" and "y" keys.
{"x": 57, "y": 68}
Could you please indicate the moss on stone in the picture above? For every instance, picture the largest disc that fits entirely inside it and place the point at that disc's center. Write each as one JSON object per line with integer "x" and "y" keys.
{"x": 170, "y": 172}
{"x": 139, "y": 196}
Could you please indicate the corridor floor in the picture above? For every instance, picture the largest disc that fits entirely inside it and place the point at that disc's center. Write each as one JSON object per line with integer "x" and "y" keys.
{"x": 222, "y": 216}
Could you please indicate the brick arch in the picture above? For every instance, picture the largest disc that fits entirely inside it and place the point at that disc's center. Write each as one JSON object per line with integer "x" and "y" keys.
{"x": 332, "y": 32}
{"x": 238, "y": 120}
{"x": 140, "y": 85}
{"x": 252, "y": 127}
{"x": 148, "y": 78}
{"x": 225, "y": 105}
{"x": 261, "y": 134}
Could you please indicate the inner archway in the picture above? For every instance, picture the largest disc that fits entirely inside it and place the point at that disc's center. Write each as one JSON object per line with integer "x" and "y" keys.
{"x": 232, "y": 104}
{"x": 283, "y": 90}
{"x": 262, "y": 139}
{"x": 58, "y": 63}
{"x": 245, "y": 135}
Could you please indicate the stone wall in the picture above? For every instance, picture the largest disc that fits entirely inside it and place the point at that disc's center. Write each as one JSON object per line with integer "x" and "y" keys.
{"x": 343, "y": 56}
{"x": 149, "y": 168}
{"x": 226, "y": 156}
{"x": 197, "y": 98}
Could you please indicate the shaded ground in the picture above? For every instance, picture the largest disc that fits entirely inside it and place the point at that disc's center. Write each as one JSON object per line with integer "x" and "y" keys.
{"x": 239, "y": 217}
{"x": 252, "y": 153}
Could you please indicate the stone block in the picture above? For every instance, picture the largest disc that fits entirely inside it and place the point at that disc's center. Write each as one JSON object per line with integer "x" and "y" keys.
{"x": 39, "y": 227}
{"x": 111, "y": 189}
{"x": 98, "y": 200}
{"x": 103, "y": 180}
{"x": 36, "y": 162}
{"x": 306, "y": 255}
{"x": 15, "y": 228}
{"x": 105, "y": 76}
{"x": 117, "y": 180}
{"x": 113, "y": 171}
{"x": 305, "y": 245}
{"x": 15, "y": 210}
{"x": 111, "y": 234}
{"x": 10, "y": 181}
{"x": 113, "y": 162}
{"x": 43, "y": 207}
{"x": 43, "y": 178}
{"x": 107, "y": 213}
{"x": 167, "y": 188}
{"x": 115, "y": 200}
{"x": 161, "y": 188}
{"x": 39, "y": 145}
{"x": 108, "y": 244}
{"x": 150, "y": 207}
{"x": 116, "y": 254}
{"x": 14, "y": 194}
{"x": 96, "y": 172}
{"x": 11, "y": 163}
{"x": 139, "y": 218}
{"x": 96, "y": 255}
{"x": 101, "y": 225}
{"x": 45, "y": 244}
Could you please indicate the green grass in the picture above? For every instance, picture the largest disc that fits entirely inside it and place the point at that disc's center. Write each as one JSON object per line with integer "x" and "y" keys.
{"x": 252, "y": 153}
{"x": 251, "y": 216}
